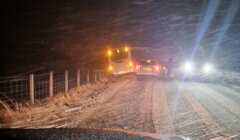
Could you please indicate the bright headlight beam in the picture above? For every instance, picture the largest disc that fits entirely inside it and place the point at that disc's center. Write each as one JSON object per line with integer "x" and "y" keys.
{"x": 188, "y": 67}
{"x": 231, "y": 12}
{"x": 207, "y": 68}
{"x": 208, "y": 15}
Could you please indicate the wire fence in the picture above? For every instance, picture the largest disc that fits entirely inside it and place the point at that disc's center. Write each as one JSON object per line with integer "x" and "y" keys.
{"x": 58, "y": 82}
{"x": 14, "y": 90}
{"x": 72, "y": 79}
{"x": 42, "y": 85}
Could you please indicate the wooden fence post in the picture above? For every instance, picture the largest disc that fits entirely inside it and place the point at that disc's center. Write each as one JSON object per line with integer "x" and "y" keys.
{"x": 88, "y": 76}
{"x": 100, "y": 75}
{"x": 78, "y": 78}
{"x": 51, "y": 84}
{"x": 31, "y": 86}
{"x": 104, "y": 75}
{"x": 95, "y": 76}
{"x": 66, "y": 81}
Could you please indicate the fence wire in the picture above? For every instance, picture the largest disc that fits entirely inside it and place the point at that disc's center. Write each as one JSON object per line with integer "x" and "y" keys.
{"x": 83, "y": 76}
{"x": 14, "y": 90}
{"x": 17, "y": 89}
{"x": 41, "y": 86}
{"x": 72, "y": 79}
{"x": 58, "y": 82}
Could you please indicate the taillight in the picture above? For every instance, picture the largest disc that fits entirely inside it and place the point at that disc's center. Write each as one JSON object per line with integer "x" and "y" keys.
{"x": 138, "y": 67}
{"x": 156, "y": 67}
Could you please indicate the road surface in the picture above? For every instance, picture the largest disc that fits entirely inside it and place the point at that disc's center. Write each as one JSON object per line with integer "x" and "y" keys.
{"x": 191, "y": 109}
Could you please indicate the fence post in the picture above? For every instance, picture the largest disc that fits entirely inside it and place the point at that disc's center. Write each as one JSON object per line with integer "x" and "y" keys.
{"x": 88, "y": 76}
{"x": 51, "y": 84}
{"x": 78, "y": 78}
{"x": 104, "y": 75}
{"x": 31, "y": 90}
{"x": 95, "y": 76}
{"x": 100, "y": 75}
{"x": 66, "y": 81}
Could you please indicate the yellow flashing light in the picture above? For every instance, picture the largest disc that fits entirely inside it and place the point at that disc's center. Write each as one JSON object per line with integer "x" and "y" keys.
{"x": 126, "y": 49}
{"x": 109, "y": 52}
{"x": 130, "y": 64}
{"x": 110, "y": 68}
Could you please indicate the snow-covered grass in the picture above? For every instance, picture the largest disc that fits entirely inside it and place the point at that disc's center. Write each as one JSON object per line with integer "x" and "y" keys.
{"x": 6, "y": 113}
{"x": 48, "y": 108}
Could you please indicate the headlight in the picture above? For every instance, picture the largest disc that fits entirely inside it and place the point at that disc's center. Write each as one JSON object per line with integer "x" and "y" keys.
{"x": 207, "y": 68}
{"x": 109, "y": 53}
{"x": 110, "y": 68}
{"x": 188, "y": 67}
{"x": 130, "y": 64}
{"x": 126, "y": 49}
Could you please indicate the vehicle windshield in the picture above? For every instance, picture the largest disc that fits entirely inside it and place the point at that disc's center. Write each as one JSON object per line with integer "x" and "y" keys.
{"x": 119, "y": 55}
{"x": 120, "y": 69}
{"x": 147, "y": 63}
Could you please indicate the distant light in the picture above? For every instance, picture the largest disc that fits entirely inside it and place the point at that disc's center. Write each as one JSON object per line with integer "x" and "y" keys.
{"x": 188, "y": 67}
{"x": 118, "y": 50}
{"x": 109, "y": 52}
{"x": 148, "y": 61}
{"x": 138, "y": 67}
{"x": 110, "y": 68}
{"x": 126, "y": 49}
{"x": 130, "y": 64}
{"x": 207, "y": 68}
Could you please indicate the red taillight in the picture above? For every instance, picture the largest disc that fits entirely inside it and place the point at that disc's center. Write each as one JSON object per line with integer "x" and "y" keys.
{"x": 156, "y": 67}
{"x": 138, "y": 67}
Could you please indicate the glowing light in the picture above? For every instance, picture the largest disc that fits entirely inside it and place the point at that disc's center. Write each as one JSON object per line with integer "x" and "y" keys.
{"x": 156, "y": 67}
{"x": 148, "y": 61}
{"x": 126, "y": 49}
{"x": 109, "y": 52}
{"x": 188, "y": 67}
{"x": 110, "y": 68}
{"x": 118, "y": 50}
{"x": 138, "y": 67}
{"x": 130, "y": 64}
{"x": 207, "y": 68}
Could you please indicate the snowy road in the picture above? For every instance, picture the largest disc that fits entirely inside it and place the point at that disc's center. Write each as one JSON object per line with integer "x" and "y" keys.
{"x": 192, "y": 109}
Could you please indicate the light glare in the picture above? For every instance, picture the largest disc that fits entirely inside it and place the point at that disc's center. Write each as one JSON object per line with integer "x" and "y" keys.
{"x": 109, "y": 52}
{"x": 188, "y": 67}
{"x": 207, "y": 68}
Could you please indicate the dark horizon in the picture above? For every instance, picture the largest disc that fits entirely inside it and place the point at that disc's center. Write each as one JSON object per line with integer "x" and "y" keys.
{"x": 42, "y": 32}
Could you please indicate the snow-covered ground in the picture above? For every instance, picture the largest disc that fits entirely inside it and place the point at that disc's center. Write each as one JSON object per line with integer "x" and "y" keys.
{"x": 193, "y": 109}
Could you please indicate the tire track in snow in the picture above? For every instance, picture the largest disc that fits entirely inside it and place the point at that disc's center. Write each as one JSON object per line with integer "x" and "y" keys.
{"x": 161, "y": 116}
{"x": 212, "y": 129}
{"x": 90, "y": 114}
{"x": 218, "y": 109}
{"x": 130, "y": 108}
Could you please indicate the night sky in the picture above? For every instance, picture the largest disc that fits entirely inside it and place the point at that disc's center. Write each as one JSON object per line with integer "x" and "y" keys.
{"x": 48, "y": 34}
